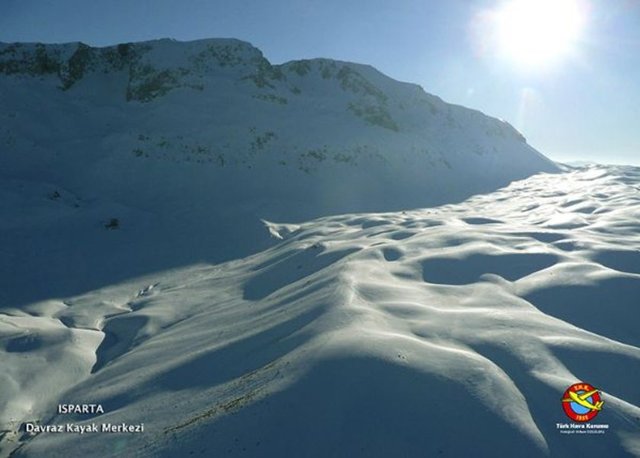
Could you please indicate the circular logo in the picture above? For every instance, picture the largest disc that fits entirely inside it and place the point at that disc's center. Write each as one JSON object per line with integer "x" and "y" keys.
{"x": 581, "y": 402}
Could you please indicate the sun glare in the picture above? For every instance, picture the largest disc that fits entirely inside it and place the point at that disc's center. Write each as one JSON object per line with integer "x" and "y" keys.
{"x": 538, "y": 33}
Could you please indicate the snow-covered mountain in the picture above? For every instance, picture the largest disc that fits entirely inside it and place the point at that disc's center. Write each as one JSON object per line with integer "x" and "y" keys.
{"x": 136, "y": 271}
{"x": 189, "y": 145}
{"x": 222, "y": 105}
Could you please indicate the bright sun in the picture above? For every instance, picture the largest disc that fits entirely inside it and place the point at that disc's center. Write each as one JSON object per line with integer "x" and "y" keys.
{"x": 538, "y": 33}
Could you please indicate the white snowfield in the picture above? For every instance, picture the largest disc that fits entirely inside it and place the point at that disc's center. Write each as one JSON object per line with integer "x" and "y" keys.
{"x": 448, "y": 331}
{"x": 136, "y": 273}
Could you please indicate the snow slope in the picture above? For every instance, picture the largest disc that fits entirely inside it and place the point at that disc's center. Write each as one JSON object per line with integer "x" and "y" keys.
{"x": 190, "y": 144}
{"x": 449, "y": 331}
{"x": 136, "y": 270}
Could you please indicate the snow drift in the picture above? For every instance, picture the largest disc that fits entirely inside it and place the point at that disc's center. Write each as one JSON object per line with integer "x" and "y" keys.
{"x": 447, "y": 331}
{"x": 160, "y": 257}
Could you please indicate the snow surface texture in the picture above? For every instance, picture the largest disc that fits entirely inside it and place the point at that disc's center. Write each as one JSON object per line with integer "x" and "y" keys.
{"x": 447, "y": 331}
{"x": 135, "y": 270}
{"x": 189, "y": 145}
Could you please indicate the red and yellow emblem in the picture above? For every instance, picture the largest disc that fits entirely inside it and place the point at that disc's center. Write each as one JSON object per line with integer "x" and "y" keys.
{"x": 581, "y": 402}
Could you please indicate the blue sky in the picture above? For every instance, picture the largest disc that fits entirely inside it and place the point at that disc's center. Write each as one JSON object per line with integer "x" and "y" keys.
{"x": 585, "y": 107}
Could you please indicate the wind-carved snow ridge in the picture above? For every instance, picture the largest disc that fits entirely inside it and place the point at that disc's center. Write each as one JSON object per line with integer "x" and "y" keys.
{"x": 446, "y": 331}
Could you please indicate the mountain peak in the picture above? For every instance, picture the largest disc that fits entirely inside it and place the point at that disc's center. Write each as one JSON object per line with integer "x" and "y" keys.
{"x": 337, "y": 133}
